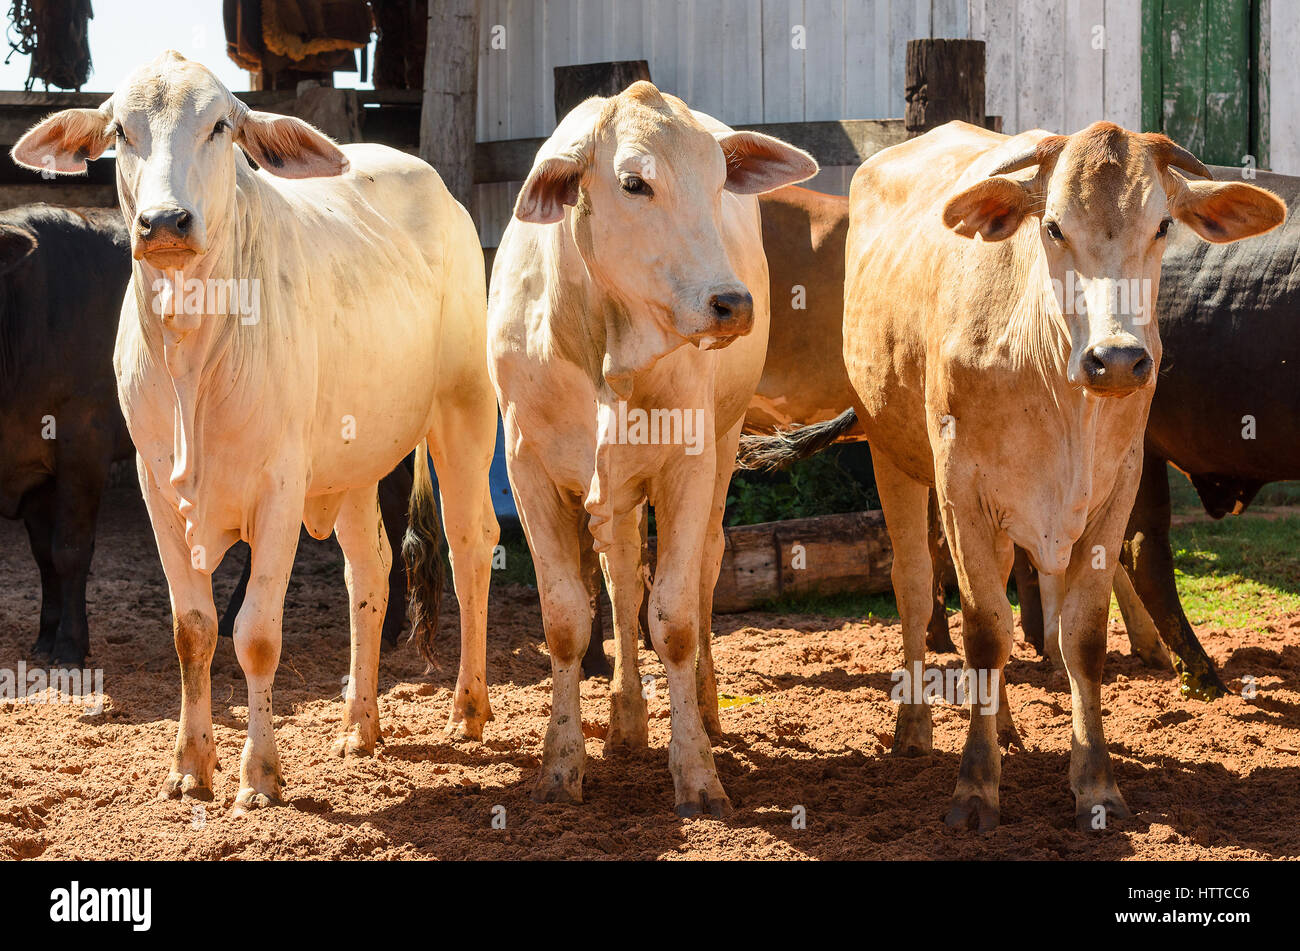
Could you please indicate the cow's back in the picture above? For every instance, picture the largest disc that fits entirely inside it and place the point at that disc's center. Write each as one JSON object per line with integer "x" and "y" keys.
{"x": 804, "y": 380}
{"x": 58, "y": 320}
{"x": 1230, "y": 325}
{"x": 915, "y": 291}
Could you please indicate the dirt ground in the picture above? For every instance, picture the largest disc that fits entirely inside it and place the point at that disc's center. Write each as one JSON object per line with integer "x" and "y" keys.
{"x": 1206, "y": 780}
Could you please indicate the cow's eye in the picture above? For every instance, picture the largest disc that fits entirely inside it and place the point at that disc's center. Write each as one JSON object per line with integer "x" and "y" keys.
{"x": 221, "y": 126}
{"x": 1163, "y": 230}
{"x": 119, "y": 131}
{"x": 635, "y": 185}
{"x": 1054, "y": 231}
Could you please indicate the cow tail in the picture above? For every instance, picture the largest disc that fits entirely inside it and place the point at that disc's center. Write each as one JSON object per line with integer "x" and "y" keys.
{"x": 422, "y": 553}
{"x": 779, "y": 450}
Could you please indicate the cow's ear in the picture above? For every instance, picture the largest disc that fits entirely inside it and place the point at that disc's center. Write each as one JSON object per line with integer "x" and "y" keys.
{"x": 63, "y": 142}
{"x": 758, "y": 163}
{"x": 289, "y": 147}
{"x": 1223, "y": 211}
{"x": 552, "y": 184}
{"x": 15, "y": 245}
{"x": 993, "y": 209}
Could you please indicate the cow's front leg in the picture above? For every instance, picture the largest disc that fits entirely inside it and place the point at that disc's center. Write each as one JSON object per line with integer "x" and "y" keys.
{"x": 257, "y": 645}
{"x": 715, "y": 544}
{"x": 983, "y": 557}
{"x": 622, "y": 566}
{"x": 1084, "y": 613}
{"x": 368, "y": 558}
{"x": 906, "y": 506}
{"x": 675, "y": 629}
{"x": 194, "y": 630}
{"x": 462, "y": 442}
{"x": 555, "y": 527}
{"x": 38, "y": 518}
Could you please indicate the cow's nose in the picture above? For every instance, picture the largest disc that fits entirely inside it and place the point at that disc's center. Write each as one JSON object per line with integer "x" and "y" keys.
{"x": 156, "y": 222}
{"x": 1121, "y": 368}
{"x": 733, "y": 308}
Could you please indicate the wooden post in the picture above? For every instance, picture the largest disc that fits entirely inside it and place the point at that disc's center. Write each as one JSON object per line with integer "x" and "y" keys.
{"x": 449, "y": 112}
{"x": 573, "y": 84}
{"x": 944, "y": 81}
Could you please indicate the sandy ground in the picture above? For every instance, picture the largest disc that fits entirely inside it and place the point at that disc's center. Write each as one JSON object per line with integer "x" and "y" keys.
{"x": 1206, "y": 780}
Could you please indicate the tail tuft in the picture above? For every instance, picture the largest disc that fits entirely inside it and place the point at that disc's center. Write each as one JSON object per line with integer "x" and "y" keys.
{"x": 782, "y": 449}
{"x": 422, "y": 553}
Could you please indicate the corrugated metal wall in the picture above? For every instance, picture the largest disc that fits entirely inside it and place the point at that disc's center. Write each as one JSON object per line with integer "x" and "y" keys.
{"x": 1052, "y": 64}
{"x": 734, "y": 59}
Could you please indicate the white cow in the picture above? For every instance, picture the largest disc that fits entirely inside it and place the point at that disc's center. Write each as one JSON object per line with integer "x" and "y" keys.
{"x": 366, "y": 340}
{"x": 635, "y": 256}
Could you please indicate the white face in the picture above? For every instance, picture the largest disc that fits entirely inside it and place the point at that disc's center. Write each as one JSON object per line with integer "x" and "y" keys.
{"x": 174, "y": 135}
{"x": 1103, "y": 212}
{"x": 1104, "y": 243}
{"x": 175, "y": 127}
{"x": 650, "y": 227}
{"x": 646, "y": 184}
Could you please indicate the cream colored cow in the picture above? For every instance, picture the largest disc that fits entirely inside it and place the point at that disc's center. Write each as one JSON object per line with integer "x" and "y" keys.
{"x": 632, "y": 281}
{"x": 368, "y": 338}
{"x": 999, "y": 334}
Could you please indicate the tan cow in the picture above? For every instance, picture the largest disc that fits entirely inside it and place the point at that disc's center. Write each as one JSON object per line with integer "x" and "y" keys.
{"x": 998, "y": 334}
{"x": 631, "y": 285}
{"x": 1012, "y": 368}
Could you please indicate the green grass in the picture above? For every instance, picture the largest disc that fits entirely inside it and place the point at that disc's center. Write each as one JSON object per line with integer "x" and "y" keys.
{"x": 1238, "y": 572}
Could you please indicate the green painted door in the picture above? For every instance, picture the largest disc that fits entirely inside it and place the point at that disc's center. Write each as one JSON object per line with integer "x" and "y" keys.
{"x": 1201, "y": 76}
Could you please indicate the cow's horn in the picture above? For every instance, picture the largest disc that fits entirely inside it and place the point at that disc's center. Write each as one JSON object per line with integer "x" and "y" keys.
{"x": 1168, "y": 153}
{"x": 1045, "y": 150}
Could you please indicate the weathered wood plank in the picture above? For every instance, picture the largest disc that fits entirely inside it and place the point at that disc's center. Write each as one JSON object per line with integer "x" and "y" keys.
{"x": 1085, "y": 67}
{"x": 1123, "y": 59}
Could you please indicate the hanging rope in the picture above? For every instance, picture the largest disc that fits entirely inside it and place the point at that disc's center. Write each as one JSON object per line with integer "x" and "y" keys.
{"x": 55, "y": 34}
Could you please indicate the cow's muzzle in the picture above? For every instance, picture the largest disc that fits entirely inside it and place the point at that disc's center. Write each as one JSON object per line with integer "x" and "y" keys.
{"x": 1116, "y": 367}
{"x": 165, "y": 236}
{"x": 729, "y": 314}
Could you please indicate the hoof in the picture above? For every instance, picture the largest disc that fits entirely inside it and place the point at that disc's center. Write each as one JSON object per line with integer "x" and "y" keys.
{"x": 250, "y": 799}
{"x": 185, "y": 786}
{"x": 1099, "y": 816}
{"x": 717, "y": 806}
{"x": 914, "y": 731}
{"x": 353, "y": 744}
{"x": 468, "y": 718}
{"x": 556, "y": 792}
{"x": 972, "y": 813}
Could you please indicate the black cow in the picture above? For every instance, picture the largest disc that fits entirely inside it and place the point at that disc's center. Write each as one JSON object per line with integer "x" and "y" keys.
{"x": 63, "y": 273}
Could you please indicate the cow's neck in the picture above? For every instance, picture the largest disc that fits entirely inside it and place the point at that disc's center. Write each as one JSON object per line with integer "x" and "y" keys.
{"x": 189, "y": 343}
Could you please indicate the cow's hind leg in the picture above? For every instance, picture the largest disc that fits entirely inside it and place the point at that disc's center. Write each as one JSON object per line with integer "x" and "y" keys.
{"x": 906, "y": 504}
{"x": 194, "y": 630}
{"x": 1150, "y": 563}
{"x": 622, "y": 565}
{"x": 462, "y": 442}
{"x": 257, "y": 645}
{"x": 368, "y": 558}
